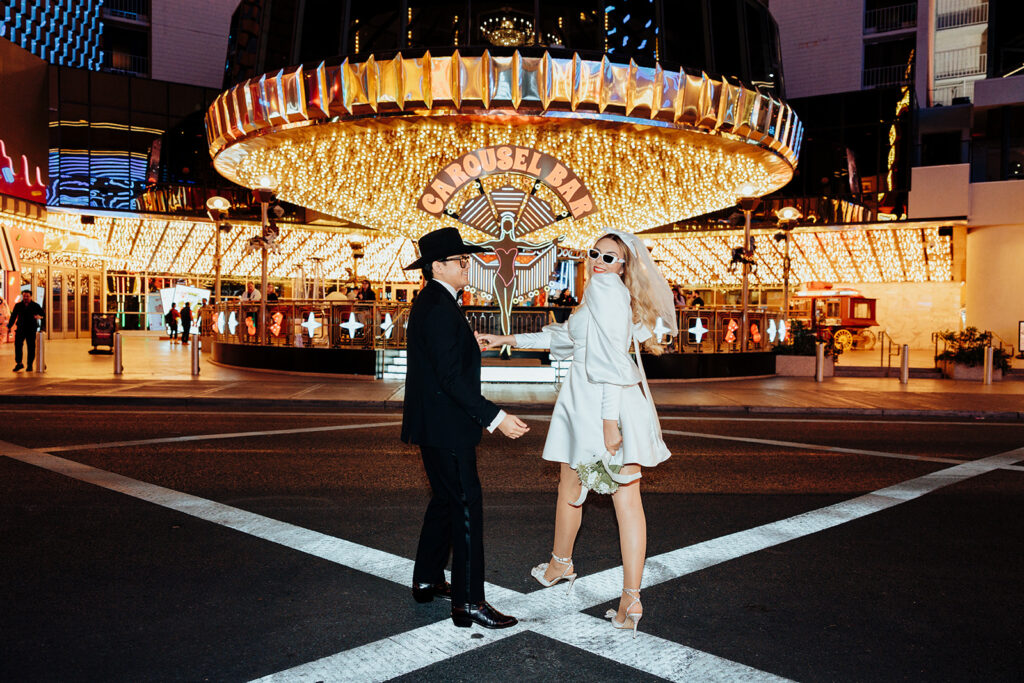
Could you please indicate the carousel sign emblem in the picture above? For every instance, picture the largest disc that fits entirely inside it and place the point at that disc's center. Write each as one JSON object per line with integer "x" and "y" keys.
{"x": 507, "y": 159}
{"x": 507, "y": 213}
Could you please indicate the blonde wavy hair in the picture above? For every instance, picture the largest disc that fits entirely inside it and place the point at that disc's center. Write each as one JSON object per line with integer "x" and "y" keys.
{"x": 640, "y": 301}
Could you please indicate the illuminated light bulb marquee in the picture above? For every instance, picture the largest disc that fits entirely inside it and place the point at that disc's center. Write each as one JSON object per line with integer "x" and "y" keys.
{"x": 915, "y": 253}
{"x": 359, "y": 140}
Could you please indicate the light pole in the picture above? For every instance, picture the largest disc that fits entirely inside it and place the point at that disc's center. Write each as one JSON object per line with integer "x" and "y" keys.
{"x": 787, "y": 215}
{"x": 265, "y": 195}
{"x": 216, "y": 209}
{"x": 747, "y": 202}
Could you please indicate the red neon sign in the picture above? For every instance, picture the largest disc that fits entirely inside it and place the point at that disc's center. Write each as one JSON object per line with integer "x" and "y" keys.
{"x": 20, "y": 184}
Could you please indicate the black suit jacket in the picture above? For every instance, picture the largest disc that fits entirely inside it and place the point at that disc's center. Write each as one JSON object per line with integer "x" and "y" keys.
{"x": 443, "y": 404}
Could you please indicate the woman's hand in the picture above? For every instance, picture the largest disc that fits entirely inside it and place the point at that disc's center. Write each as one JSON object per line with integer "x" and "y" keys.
{"x": 493, "y": 341}
{"x": 612, "y": 436}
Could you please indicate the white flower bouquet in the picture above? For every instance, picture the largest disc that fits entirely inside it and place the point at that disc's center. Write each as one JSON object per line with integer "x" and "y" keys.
{"x": 597, "y": 477}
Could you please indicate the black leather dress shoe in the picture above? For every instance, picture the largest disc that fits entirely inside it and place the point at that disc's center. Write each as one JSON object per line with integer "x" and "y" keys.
{"x": 482, "y": 615}
{"x": 426, "y": 592}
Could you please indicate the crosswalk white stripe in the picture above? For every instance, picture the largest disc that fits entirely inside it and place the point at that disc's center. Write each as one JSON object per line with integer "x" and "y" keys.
{"x": 207, "y": 437}
{"x": 421, "y": 647}
{"x": 664, "y": 658}
{"x": 811, "y": 446}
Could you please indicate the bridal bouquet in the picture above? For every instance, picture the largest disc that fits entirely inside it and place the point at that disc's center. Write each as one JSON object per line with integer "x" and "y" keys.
{"x": 597, "y": 477}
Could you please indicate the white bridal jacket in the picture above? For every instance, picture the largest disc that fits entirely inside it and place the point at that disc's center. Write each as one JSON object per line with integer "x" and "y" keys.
{"x": 603, "y": 381}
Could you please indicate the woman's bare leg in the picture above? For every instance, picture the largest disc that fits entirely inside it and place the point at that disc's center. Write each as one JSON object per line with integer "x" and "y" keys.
{"x": 567, "y": 520}
{"x": 629, "y": 511}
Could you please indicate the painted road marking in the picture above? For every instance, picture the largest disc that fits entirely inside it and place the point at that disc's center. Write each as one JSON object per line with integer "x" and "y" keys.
{"x": 207, "y": 437}
{"x": 427, "y": 645}
{"x": 811, "y": 446}
{"x": 421, "y": 647}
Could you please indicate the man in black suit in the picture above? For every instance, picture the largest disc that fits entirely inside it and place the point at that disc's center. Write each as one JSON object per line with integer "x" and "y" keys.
{"x": 27, "y": 315}
{"x": 444, "y": 414}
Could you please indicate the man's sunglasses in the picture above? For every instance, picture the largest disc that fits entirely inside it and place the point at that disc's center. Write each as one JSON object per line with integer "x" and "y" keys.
{"x": 607, "y": 258}
{"x": 463, "y": 260}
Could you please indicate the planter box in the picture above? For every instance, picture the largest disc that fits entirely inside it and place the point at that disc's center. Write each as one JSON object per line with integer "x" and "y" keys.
{"x": 801, "y": 366}
{"x": 974, "y": 373}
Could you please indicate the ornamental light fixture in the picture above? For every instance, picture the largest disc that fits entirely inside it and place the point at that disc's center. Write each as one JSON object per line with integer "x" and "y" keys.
{"x": 358, "y": 140}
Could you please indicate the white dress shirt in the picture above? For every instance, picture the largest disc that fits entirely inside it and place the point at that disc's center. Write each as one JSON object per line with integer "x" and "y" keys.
{"x": 501, "y": 413}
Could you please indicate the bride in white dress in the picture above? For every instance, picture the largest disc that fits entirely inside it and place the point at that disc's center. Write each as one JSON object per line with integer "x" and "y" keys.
{"x": 604, "y": 409}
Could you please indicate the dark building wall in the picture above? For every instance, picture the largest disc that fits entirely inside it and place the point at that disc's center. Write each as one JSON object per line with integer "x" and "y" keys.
{"x": 734, "y": 37}
{"x": 102, "y": 128}
{"x": 1005, "y": 37}
{"x": 846, "y": 148}
{"x": 23, "y": 101}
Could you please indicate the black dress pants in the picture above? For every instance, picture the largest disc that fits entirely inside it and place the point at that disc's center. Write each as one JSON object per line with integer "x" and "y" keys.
{"x": 453, "y": 523}
{"x": 21, "y": 337}
{"x": 185, "y": 329}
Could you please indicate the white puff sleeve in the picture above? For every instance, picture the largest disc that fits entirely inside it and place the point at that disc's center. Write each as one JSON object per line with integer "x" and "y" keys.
{"x": 609, "y": 332}
{"x": 554, "y": 337}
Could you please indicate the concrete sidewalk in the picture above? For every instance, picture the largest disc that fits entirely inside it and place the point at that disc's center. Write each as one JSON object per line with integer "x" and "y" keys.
{"x": 158, "y": 372}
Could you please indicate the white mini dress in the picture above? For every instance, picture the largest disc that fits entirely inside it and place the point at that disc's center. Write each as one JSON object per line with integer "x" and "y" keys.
{"x": 603, "y": 381}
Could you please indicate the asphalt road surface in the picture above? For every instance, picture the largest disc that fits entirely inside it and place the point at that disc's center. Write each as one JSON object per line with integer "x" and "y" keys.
{"x": 150, "y": 544}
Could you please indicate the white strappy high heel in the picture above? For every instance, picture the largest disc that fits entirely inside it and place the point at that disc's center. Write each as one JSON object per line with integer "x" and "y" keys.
{"x": 632, "y": 621}
{"x": 539, "y": 571}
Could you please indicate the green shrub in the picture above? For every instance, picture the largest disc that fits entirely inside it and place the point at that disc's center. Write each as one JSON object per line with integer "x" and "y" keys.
{"x": 801, "y": 342}
{"x": 968, "y": 348}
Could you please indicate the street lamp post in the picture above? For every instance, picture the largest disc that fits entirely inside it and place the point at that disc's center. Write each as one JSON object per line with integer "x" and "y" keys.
{"x": 216, "y": 209}
{"x": 264, "y": 208}
{"x": 265, "y": 195}
{"x": 747, "y": 202}
{"x": 787, "y": 215}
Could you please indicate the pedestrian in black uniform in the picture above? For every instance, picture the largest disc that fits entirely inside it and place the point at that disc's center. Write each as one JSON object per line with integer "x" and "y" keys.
{"x": 186, "y": 322}
{"x": 444, "y": 414}
{"x": 25, "y": 317}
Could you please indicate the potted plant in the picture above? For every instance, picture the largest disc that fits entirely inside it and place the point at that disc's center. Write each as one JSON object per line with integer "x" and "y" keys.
{"x": 795, "y": 358}
{"x": 964, "y": 355}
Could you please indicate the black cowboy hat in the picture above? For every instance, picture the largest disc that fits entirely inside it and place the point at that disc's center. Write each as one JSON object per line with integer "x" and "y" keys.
{"x": 440, "y": 244}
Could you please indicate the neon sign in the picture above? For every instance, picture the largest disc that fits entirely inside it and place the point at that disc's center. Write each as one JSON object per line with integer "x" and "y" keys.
{"x": 20, "y": 184}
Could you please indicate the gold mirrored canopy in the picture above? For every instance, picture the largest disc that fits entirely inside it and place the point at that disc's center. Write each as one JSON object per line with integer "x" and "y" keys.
{"x": 361, "y": 140}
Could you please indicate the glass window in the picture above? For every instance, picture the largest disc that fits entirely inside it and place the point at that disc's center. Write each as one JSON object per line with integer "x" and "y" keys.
{"x": 632, "y": 32}
{"x": 726, "y": 38}
{"x": 862, "y": 310}
{"x": 56, "y": 313}
{"x": 322, "y": 26}
{"x": 110, "y": 90}
{"x": 283, "y": 15}
{"x": 149, "y": 96}
{"x": 185, "y": 99}
{"x": 83, "y": 304}
{"x": 436, "y": 24}
{"x": 374, "y": 26}
{"x": 74, "y": 85}
{"x": 574, "y": 26}
{"x": 684, "y": 39}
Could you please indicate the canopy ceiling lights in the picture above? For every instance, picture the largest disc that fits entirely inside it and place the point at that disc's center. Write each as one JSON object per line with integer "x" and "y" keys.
{"x": 360, "y": 140}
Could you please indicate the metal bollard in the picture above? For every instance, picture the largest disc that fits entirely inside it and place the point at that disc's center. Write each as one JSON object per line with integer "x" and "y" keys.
{"x": 41, "y": 351}
{"x": 195, "y": 356}
{"x": 819, "y": 362}
{"x": 905, "y": 364}
{"x": 118, "y": 366}
{"x": 989, "y": 362}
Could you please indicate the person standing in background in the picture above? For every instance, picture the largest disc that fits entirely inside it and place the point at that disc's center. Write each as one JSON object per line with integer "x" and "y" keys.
{"x": 366, "y": 293}
{"x": 25, "y": 318}
{"x": 172, "y": 321}
{"x": 186, "y": 322}
{"x": 251, "y": 293}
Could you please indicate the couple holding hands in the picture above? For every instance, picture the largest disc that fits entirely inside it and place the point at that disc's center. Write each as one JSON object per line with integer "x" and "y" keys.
{"x": 604, "y": 427}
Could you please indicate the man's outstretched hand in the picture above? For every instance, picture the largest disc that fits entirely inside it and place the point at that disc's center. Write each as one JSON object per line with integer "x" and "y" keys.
{"x": 513, "y": 427}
